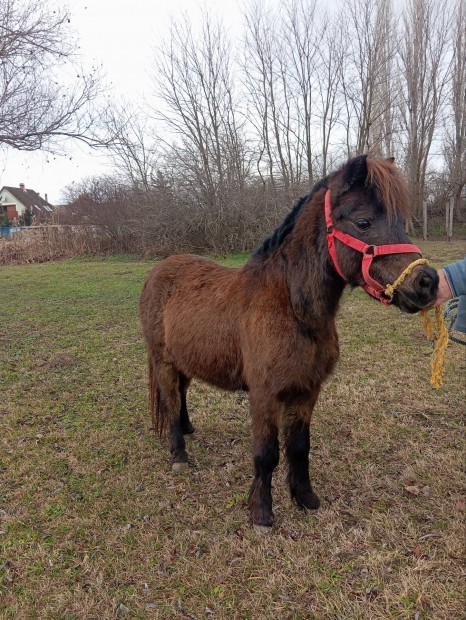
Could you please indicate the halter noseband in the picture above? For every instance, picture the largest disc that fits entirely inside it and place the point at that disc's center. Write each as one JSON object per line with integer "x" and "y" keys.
{"x": 369, "y": 252}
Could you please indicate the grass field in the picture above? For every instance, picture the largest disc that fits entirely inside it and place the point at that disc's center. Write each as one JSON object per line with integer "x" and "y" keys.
{"x": 94, "y": 526}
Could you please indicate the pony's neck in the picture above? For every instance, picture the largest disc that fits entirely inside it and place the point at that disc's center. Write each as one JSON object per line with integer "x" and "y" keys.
{"x": 295, "y": 256}
{"x": 314, "y": 286}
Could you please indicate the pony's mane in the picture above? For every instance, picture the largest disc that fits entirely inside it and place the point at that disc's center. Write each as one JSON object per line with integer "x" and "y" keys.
{"x": 390, "y": 186}
{"x": 383, "y": 177}
{"x": 279, "y": 235}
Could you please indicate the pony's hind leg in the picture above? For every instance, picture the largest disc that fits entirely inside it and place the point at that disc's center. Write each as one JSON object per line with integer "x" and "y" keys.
{"x": 168, "y": 380}
{"x": 297, "y": 445}
{"x": 186, "y": 427}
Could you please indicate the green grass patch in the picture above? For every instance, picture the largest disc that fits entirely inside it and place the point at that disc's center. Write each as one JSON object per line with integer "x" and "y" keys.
{"x": 93, "y": 522}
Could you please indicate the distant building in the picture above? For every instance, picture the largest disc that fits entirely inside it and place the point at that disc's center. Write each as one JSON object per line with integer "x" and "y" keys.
{"x": 15, "y": 200}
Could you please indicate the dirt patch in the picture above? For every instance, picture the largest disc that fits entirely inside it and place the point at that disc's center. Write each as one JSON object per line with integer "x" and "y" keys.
{"x": 62, "y": 360}
{"x": 20, "y": 324}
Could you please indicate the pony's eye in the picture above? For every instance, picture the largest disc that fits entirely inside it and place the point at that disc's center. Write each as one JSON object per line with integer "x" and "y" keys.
{"x": 363, "y": 224}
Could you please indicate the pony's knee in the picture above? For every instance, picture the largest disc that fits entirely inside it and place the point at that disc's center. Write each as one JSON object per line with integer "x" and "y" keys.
{"x": 266, "y": 457}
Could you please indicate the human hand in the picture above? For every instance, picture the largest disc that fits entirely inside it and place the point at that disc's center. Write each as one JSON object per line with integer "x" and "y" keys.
{"x": 444, "y": 290}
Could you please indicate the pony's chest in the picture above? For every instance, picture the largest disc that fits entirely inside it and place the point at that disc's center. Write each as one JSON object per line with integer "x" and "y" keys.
{"x": 318, "y": 355}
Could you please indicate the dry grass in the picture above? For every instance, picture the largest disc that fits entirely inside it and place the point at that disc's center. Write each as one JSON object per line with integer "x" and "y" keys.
{"x": 45, "y": 243}
{"x": 94, "y": 526}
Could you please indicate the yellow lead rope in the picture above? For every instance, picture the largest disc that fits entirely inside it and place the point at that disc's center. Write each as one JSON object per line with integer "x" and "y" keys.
{"x": 439, "y": 340}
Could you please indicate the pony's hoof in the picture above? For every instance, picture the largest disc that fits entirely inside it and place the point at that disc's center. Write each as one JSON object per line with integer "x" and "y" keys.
{"x": 179, "y": 468}
{"x": 187, "y": 429}
{"x": 309, "y": 501}
{"x": 265, "y": 530}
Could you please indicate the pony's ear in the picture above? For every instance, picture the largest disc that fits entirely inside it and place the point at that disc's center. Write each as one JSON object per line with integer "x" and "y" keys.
{"x": 391, "y": 160}
{"x": 355, "y": 174}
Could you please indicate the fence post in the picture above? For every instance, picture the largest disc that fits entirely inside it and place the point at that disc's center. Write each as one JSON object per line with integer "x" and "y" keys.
{"x": 450, "y": 222}
{"x": 447, "y": 216}
{"x": 424, "y": 220}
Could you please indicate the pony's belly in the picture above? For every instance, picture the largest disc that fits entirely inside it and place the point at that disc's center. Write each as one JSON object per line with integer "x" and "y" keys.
{"x": 212, "y": 370}
{"x": 215, "y": 361}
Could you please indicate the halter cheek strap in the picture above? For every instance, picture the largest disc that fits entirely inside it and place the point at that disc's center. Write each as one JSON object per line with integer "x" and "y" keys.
{"x": 369, "y": 252}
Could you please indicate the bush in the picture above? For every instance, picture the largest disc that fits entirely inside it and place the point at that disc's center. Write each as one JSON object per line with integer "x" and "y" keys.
{"x": 4, "y": 221}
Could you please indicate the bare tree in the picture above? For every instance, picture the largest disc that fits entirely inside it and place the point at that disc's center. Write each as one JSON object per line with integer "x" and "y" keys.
{"x": 302, "y": 37}
{"x": 280, "y": 67}
{"x": 425, "y": 70}
{"x": 262, "y": 85}
{"x": 194, "y": 81}
{"x": 43, "y": 96}
{"x": 366, "y": 74}
{"x": 455, "y": 132}
{"x": 133, "y": 148}
{"x": 332, "y": 52}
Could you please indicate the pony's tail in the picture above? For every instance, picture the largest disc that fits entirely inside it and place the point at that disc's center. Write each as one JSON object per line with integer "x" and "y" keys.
{"x": 158, "y": 421}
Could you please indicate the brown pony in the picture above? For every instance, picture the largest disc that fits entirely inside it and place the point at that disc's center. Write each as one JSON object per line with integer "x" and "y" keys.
{"x": 269, "y": 327}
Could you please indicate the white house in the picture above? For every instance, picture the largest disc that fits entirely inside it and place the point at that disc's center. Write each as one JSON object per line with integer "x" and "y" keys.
{"x": 15, "y": 200}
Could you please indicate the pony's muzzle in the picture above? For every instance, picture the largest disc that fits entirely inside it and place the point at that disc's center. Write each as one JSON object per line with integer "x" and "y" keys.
{"x": 419, "y": 291}
{"x": 426, "y": 283}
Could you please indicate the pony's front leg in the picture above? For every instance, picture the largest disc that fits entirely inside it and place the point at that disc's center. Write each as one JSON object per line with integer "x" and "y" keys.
{"x": 265, "y": 417}
{"x": 297, "y": 444}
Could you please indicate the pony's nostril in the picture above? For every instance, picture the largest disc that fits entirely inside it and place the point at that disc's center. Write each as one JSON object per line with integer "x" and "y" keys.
{"x": 425, "y": 282}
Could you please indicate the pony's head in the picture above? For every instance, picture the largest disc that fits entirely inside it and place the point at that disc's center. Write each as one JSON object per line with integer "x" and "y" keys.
{"x": 367, "y": 203}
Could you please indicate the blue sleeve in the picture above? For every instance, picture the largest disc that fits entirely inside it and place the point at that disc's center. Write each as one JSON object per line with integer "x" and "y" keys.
{"x": 456, "y": 276}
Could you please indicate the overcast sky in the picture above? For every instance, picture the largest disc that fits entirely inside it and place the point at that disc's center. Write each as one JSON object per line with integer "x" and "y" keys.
{"x": 121, "y": 37}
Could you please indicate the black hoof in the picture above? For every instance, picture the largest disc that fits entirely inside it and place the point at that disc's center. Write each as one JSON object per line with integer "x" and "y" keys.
{"x": 308, "y": 501}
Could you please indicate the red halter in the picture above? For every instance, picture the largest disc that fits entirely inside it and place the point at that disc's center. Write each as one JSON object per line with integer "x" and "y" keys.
{"x": 369, "y": 252}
